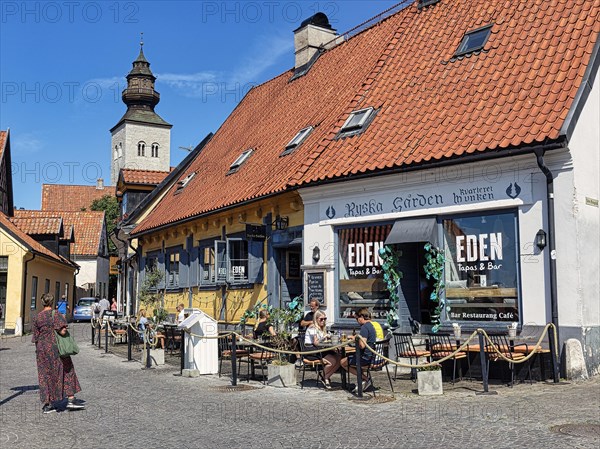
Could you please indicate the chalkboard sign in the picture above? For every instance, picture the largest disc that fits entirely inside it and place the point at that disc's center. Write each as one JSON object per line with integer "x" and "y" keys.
{"x": 315, "y": 287}
{"x": 293, "y": 265}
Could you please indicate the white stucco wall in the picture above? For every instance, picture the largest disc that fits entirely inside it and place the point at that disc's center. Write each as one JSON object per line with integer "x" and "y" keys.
{"x": 129, "y": 134}
{"x": 578, "y": 263}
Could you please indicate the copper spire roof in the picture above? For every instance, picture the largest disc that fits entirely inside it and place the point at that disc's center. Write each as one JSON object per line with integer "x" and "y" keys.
{"x": 431, "y": 105}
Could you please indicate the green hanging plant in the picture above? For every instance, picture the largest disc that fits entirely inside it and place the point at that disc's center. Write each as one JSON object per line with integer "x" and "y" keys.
{"x": 434, "y": 269}
{"x": 391, "y": 277}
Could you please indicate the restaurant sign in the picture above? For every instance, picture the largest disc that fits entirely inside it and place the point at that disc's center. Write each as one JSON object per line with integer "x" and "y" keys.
{"x": 256, "y": 232}
{"x": 429, "y": 197}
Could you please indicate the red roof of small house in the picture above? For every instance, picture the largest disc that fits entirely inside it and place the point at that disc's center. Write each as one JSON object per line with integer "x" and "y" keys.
{"x": 146, "y": 177}
{"x": 3, "y": 135}
{"x": 431, "y": 105}
{"x": 87, "y": 226}
{"x": 62, "y": 197}
{"x": 30, "y": 242}
{"x": 32, "y": 225}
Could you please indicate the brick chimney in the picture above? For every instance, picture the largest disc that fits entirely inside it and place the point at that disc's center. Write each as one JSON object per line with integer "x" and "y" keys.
{"x": 100, "y": 184}
{"x": 312, "y": 34}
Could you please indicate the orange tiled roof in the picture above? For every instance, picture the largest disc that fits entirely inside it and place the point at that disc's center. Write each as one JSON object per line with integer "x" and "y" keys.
{"x": 87, "y": 226}
{"x": 431, "y": 106}
{"x": 30, "y": 242}
{"x": 32, "y": 225}
{"x": 149, "y": 177}
{"x": 3, "y": 135}
{"x": 62, "y": 197}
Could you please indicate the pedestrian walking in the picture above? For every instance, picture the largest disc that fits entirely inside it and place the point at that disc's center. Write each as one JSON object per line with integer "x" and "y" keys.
{"x": 56, "y": 375}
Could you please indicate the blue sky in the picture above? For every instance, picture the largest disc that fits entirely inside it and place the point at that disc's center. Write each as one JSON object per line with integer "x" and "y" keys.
{"x": 63, "y": 67}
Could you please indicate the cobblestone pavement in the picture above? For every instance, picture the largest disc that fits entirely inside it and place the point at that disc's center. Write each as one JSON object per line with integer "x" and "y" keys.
{"x": 130, "y": 407}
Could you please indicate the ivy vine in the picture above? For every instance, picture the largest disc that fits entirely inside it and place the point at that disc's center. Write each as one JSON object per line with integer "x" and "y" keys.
{"x": 434, "y": 269}
{"x": 391, "y": 277}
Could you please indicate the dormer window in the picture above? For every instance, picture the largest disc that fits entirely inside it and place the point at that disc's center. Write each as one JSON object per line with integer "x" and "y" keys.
{"x": 239, "y": 161}
{"x": 474, "y": 40}
{"x": 357, "y": 122}
{"x": 184, "y": 182}
{"x": 141, "y": 148}
{"x": 297, "y": 140}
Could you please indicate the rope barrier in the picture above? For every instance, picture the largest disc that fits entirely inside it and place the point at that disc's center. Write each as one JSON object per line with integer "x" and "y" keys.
{"x": 491, "y": 350}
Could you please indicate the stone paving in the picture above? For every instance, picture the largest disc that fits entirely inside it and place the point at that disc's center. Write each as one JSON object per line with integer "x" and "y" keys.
{"x": 131, "y": 407}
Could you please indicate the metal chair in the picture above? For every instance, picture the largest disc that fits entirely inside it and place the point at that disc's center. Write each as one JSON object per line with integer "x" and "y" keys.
{"x": 507, "y": 350}
{"x": 405, "y": 349}
{"x": 314, "y": 361}
{"x": 378, "y": 362}
{"x": 262, "y": 356}
{"x": 441, "y": 346}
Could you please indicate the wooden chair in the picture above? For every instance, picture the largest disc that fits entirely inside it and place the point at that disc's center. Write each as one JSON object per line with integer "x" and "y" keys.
{"x": 441, "y": 346}
{"x": 262, "y": 357}
{"x": 507, "y": 350}
{"x": 405, "y": 349}
{"x": 315, "y": 362}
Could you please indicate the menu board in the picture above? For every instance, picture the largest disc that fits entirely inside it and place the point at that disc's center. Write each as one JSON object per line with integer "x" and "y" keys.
{"x": 315, "y": 286}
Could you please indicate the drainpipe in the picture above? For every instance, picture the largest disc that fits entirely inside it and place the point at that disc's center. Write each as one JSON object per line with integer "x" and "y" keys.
{"x": 539, "y": 153}
{"x": 24, "y": 301}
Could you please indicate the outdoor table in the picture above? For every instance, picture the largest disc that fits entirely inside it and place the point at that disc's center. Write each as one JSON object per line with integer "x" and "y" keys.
{"x": 345, "y": 350}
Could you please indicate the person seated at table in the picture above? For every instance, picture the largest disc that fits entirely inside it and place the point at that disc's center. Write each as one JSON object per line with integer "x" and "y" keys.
{"x": 316, "y": 334}
{"x": 370, "y": 332}
{"x": 180, "y": 313}
{"x": 143, "y": 324}
{"x": 308, "y": 318}
{"x": 263, "y": 329}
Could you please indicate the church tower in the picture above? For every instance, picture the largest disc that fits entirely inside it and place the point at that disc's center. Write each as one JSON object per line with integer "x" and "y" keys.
{"x": 141, "y": 140}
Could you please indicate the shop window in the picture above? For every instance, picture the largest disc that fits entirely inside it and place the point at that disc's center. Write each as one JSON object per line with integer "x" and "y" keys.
{"x": 34, "y": 291}
{"x": 154, "y": 260}
{"x": 360, "y": 276}
{"x": 233, "y": 261}
{"x": 481, "y": 272}
{"x": 207, "y": 260}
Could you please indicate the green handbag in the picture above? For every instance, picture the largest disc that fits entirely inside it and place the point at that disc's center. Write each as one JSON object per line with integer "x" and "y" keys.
{"x": 66, "y": 343}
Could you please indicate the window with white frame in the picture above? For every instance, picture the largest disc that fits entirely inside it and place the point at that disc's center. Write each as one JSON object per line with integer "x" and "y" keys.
{"x": 233, "y": 261}
{"x": 34, "y": 291}
{"x": 207, "y": 260}
{"x": 239, "y": 161}
{"x": 237, "y": 266}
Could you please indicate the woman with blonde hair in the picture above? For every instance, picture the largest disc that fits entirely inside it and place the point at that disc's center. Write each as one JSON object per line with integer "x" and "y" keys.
{"x": 56, "y": 374}
{"x": 317, "y": 334}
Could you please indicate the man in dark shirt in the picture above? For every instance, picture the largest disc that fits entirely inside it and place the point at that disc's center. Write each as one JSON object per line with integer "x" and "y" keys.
{"x": 370, "y": 332}
{"x": 308, "y": 318}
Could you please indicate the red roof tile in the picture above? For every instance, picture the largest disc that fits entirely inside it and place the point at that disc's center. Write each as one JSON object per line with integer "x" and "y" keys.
{"x": 87, "y": 227}
{"x": 432, "y": 106}
{"x": 61, "y": 197}
{"x": 3, "y": 135}
{"x": 149, "y": 177}
{"x": 30, "y": 242}
{"x": 38, "y": 225}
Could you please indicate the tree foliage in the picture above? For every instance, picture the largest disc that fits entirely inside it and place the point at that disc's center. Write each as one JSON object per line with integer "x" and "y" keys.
{"x": 110, "y": 206}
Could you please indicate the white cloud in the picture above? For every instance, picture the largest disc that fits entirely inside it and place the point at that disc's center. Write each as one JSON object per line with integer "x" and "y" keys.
{"x": 26, "y": 143}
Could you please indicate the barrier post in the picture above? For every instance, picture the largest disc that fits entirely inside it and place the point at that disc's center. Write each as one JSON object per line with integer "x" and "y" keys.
{"x": 358, "y": 368}
{"x": 233, "y": 360}
{"x": 553, "y": 345}
{"x": 99, "y": 335}
{"x": 129, "y": 342}
{"x": 93, "y": 332}
{"x": 148, "y": 361}
{"x": 106, "y": 338}
{"x": 484, "y": 372}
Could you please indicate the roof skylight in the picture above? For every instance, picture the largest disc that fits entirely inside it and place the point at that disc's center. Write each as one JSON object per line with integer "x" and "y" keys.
{"x": 474, "y": 40}
{"x": 184, "y": 182}
{"x": 357, "y": 122}
{"x": 239, "y": 161}
{"x": 297, "y": 140}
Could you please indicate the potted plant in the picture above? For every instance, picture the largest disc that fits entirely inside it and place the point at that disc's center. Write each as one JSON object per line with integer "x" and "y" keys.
{"x": 280, "y": 372}
{"x": 151, "y": 298}
{"x": 429, "y": 380}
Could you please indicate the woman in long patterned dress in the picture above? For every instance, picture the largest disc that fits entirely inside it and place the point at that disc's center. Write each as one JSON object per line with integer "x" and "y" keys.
{"x": 56, "y": 375}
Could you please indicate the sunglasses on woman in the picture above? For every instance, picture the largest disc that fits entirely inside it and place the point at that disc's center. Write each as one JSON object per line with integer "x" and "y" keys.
{"x": 322, "y": 319}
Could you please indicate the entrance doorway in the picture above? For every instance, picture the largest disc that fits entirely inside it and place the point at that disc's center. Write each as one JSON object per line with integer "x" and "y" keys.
{"x": 288, "y": 282}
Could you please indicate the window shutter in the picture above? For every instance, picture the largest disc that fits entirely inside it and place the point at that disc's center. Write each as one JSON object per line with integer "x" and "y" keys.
{"x": 184, "y": 264}
{"x": 194, "y": 266}
{"x": 255, "y": 261}
{"x": 161, "y": 268}
{"x": 221, "y": 261}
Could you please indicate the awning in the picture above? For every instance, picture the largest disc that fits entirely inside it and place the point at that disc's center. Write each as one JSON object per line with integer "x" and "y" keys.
{"x": 414, "y": 230}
